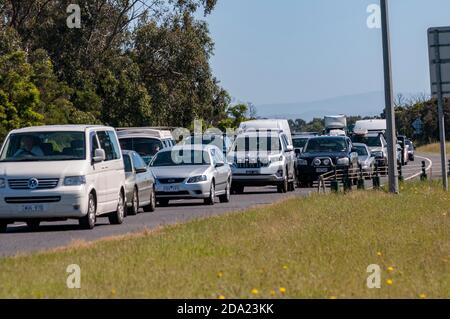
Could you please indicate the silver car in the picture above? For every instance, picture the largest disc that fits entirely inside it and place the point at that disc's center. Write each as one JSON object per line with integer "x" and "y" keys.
{"x": 191, "y": 172}
{"x": 139, "y": 184}
{"x": 365, "y": 159}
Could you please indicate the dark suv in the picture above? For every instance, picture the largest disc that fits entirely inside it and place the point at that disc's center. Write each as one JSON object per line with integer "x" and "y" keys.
{"x": 322, "y": 154}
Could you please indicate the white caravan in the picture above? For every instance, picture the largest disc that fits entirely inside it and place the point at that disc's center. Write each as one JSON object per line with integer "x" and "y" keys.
{"x": 261, "y": 125}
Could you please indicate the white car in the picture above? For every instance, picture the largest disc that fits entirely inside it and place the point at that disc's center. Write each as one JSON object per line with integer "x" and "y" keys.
{"x": 191, "y": 172}
{"x": 52, "y": 173}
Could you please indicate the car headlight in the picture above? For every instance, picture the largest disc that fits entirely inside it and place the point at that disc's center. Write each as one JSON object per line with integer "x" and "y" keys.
{"x": 75, "y": 180}
{"x": 343, "y": 162}
{"x": 302, "y": 162}
{"x": 317, "y": 162}
{"x": 197, "y": 179}
{"x": 326, "y": 162}
{"x": 2, "y": 183}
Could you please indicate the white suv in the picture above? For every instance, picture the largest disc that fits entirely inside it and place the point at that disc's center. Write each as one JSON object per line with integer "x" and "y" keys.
{"x": 52, "y": 173}
{"x": 262, "y": 158}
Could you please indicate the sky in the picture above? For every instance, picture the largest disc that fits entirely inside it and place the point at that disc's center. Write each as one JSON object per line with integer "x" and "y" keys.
{"x": 284, "y": 51}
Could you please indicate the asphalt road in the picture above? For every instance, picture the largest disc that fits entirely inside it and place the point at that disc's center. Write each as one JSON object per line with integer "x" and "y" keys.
{"x": 52, "y": 235}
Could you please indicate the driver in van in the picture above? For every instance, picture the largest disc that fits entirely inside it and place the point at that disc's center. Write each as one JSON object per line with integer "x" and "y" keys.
{"x": 30, "y": 146}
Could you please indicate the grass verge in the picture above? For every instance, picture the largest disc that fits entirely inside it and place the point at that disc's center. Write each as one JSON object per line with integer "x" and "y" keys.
{"x": 315, "y": 247}
{"x": 433, "y": 148}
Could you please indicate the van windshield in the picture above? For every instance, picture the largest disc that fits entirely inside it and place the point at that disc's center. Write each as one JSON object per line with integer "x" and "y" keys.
{"x": 147, "y": 148}
{"x": 44, "y": 146}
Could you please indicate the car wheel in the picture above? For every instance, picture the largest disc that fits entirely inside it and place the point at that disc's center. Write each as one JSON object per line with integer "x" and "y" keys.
{"x": 3, "y": 228}
{"x": 33, "y": 225}
{"x": 151, "y": 207}
{"x": 283, "y": 188}
{"x": 225, "y": 198}
{"x": 88, "y": 221}
{"x": 134, "y": 209}
{"x": 118, "y": 216}
{"x": 212, "y": 196}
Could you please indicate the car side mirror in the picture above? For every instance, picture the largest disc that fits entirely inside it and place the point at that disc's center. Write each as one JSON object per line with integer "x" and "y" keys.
{"x": 289, "y": 148}
{"x": 141, "y": 170}
{"x": 99, "y": 155}
{"x": 220, "y": 165}
{"x": 298, "y": 151}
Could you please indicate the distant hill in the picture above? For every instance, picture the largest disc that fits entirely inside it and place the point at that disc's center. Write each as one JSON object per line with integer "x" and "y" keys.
{"x": 367, "y": 104}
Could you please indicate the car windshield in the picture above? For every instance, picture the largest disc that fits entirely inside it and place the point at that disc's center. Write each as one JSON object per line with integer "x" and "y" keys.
{"x": 361, "y": 150}
{"x": 324, "y": 145}
{"x": 299, "y": 142}
{"x": 371, "y": 141}
{"x": 257, "y": 144}
{"x": 145, "y": 147}
{"x": 44, "y": 146}
{"x": 216, "y": 140}
{"x": 181, "y": 157}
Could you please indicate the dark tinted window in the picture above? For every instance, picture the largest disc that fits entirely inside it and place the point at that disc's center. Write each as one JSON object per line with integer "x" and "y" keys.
{"x": 138, "y": 162}
{"x": 361, "y": 150}
{"x": 300, "y": 142}
{"x": 323, "y": 145}
{"x": 127, "y": 162}
{"x": 109, "y": 145}
{"x": 145, "y": 147}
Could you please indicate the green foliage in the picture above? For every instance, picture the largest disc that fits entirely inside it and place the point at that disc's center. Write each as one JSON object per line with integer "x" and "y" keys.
{"x": 129, "y": 64}
{"x": 19, "y": 97}
{"x": 427, "y": 111}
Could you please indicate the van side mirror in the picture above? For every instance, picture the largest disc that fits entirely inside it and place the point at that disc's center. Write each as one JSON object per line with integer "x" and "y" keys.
{"x": 289, "y": 148}
{"x": 99, "y": 155}
{"x": 141, "y": 170}
{"x": 220, "y": 165}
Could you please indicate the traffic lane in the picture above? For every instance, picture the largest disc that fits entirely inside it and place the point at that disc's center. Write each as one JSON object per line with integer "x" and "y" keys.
{"x": 59, "y": 234}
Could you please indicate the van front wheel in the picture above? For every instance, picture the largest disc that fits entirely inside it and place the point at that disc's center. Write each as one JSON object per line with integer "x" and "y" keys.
{"x": 118, "y": 216}
{"x": 88, "y": 221}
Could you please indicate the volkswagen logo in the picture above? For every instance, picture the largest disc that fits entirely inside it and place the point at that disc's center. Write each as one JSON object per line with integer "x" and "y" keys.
{"x": 171, "y": 181}
{"x": 33, "y": 183}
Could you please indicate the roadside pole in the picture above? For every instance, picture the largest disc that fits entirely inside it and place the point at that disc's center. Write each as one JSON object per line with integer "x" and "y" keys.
{"x": 388, "y": 93}
{"x": 440, "y": 101}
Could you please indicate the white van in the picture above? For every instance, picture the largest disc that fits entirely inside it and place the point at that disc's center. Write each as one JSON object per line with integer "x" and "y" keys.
{"x": 370, "y": 126}
{"x": 52, "y": 173}
{"x": 260, "y": 125}
{"x": 145, "y": 141}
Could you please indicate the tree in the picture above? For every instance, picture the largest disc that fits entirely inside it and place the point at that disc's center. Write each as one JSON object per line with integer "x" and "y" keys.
{"x": 19, "y": 97}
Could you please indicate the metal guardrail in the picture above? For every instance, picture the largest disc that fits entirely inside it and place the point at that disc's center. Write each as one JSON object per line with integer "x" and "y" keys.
{"x": 357, "y": 177}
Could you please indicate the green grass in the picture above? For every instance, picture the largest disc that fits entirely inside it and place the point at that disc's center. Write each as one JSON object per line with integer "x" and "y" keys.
{"x": 315, "y": 247}
{"x": 433, "y": 148}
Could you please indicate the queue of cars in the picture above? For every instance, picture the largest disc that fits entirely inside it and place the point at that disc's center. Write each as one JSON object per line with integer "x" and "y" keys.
{"x": 83, "y": 172}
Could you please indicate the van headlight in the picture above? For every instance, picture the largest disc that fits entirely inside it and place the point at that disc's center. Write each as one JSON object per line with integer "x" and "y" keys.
{"x": 74, "y": 180}
{"x": 2, "y": 182}
{"x": 343, "y": 162}
{"x": 197, "y": 179}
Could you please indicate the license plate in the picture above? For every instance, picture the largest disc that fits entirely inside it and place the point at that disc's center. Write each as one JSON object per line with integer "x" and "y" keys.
{"x": 171, "y": 189}
{"x": 322, "y": 170}
{"x": 252, "y": 172}
{"x": 33, "y": 208}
